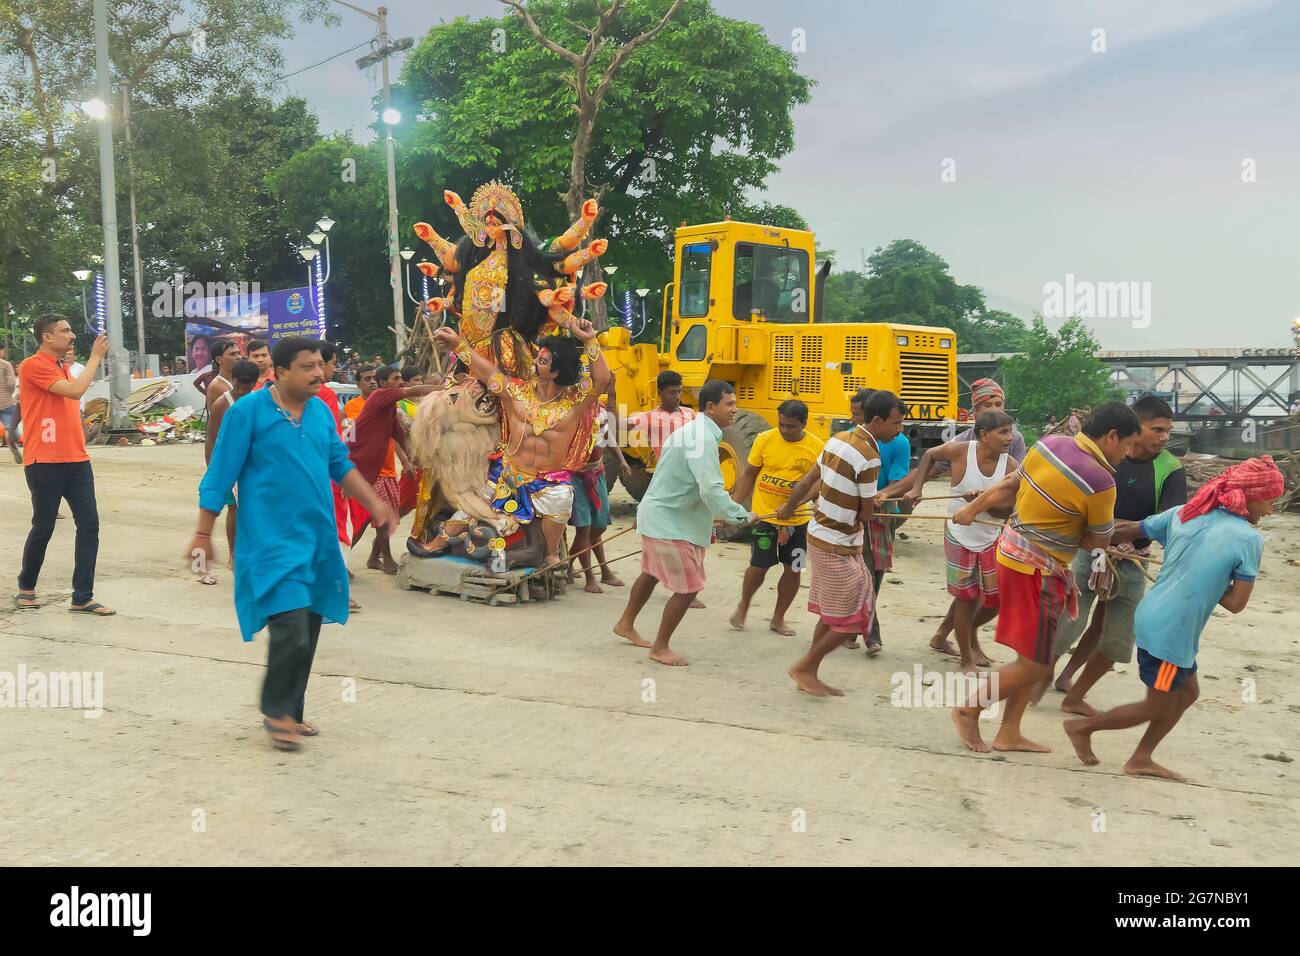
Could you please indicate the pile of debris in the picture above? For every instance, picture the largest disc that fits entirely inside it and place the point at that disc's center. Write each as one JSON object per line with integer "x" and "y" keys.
{"x": 164, "y": 424}
{"x": 1201, "y": 468}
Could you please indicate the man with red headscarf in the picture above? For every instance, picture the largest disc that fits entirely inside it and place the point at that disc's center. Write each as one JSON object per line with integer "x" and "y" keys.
{"x": 1212, "y": 554}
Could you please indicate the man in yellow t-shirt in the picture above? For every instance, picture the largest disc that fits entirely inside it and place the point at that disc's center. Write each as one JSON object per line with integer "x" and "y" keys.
{"x": 777, "y": 460}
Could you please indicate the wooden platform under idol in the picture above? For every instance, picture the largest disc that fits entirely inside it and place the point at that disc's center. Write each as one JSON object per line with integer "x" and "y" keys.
{"x": 472, "y": 581}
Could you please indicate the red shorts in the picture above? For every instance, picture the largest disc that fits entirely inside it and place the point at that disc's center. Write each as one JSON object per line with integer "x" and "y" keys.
{"x": 1030, "y": 605}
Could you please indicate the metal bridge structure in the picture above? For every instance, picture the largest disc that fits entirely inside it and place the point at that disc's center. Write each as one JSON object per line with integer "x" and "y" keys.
{"x": 1201, "y": 385}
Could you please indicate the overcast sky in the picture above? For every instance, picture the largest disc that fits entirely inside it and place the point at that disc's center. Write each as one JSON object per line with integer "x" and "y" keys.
{"x": 1119, "y": 166}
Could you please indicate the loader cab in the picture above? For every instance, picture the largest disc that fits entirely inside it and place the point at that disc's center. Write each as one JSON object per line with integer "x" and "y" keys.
{"x": 728, "y": 273}
{"x": 770, "y": 281}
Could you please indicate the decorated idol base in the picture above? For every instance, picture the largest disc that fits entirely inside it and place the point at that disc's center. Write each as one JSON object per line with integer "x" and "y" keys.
{"x": 469, "y": 575}
{"x": 497, "y": 549}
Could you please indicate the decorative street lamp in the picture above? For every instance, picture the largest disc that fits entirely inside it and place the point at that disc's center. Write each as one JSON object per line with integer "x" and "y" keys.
{"x": 641, "y": 294}
{"x": 318, "y": 269}
{"x": 82, "y": 276}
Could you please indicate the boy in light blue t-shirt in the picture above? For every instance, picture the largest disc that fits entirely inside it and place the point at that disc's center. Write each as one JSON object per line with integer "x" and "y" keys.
{"x": 1211, "y": 558}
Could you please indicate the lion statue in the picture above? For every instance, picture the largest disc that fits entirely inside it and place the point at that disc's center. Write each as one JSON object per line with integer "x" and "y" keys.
{"x": 451, "y": 436}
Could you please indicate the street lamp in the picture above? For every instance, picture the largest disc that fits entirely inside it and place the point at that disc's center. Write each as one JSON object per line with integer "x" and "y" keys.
{"x": 609, "y": 271}
{"x": 641, "y": 294}
{"x": 322, "y": 235}
{"x": 82, "y": 276}
{"x": 29, "y": 279}
{"x": 95, "y": 108}
{"x": 406, "y": 255}
{"x": 424, "y": 284}
{"x": 392, "y": 117}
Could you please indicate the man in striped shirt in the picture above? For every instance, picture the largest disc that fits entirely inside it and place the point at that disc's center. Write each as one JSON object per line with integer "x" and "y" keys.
{"x": 1064, "y": 500}
{"x": 844, "y": 481}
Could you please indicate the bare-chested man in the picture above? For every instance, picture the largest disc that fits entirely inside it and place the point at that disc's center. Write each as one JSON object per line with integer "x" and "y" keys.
{"x": 224, "y": 356}
{"x": 242, "y": 378}
{"x": 549, "y": 422}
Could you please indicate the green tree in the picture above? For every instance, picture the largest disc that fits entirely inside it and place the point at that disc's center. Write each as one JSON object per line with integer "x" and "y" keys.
{"x": 992, "y": 330}
{"x": 311, "y": 184}
{"x": 845, "y": 297}
{"x": 689, "y": 129}
{"x": 1057, "y": 372}
{"x": 203, "y": 143}
{"x": 909, "y": 284}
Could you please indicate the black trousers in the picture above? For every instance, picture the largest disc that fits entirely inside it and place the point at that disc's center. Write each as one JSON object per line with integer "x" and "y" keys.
{"x": 289, "y": 655}
{"x": 50, "y": 483}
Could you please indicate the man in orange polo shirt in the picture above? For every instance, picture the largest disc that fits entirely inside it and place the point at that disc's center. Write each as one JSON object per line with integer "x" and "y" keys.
{"x": 55, "y": 459}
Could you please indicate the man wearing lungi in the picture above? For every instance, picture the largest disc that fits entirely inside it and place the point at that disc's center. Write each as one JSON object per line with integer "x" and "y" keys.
{"x": 1064, "y": 500}
{"x": 676, "y": 519}
{"x": 844, "y": 481}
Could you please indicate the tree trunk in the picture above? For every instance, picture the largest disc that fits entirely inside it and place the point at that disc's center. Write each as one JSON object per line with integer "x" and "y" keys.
{"x": 594, "y": 309}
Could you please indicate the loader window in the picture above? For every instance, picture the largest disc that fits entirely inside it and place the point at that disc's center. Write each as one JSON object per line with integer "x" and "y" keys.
{"x": 697, "y": 262}
{"x": 691, "y": 347}
{"x": 771, "y": 280}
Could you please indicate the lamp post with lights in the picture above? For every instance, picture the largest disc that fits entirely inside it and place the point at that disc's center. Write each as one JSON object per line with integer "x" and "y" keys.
{"x": 120, "y": 386}
{"x": 318, "y": 270}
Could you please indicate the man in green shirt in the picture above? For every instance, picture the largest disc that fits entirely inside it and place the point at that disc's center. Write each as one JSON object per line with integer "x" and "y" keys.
{"x": 676, "y": 518}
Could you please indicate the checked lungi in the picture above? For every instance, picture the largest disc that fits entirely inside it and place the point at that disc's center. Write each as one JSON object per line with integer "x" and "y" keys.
{"x": 841, "y": 593}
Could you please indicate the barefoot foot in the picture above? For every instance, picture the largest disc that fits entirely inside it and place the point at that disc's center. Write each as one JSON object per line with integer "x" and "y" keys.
{"x": 1149, "y": 768}
{"x": 1072, "y": 705}
{"x": 1081, "y": 740}
{"x": 737, "y": 620}
{"x": 613, "y": 580}
{"x": 1019, "y": 744}
{"x": 781, "y": 628}
{"x": 967, "y": 722}
{"x": 697, "y": 603}
{"x": 944, "y": 646}
{"x": 808, "y": 683}
{"x": 591, "y": 587}
{"x": 629, "y": 633}
{"x": 668, "y": 657}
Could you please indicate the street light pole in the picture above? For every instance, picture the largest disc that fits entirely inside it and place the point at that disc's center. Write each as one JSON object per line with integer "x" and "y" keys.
{"x": 120, "y": 385}
{"x": 135, "y": 230}
{"x": 381, "y": 55}
{"x": 394, "y": 261}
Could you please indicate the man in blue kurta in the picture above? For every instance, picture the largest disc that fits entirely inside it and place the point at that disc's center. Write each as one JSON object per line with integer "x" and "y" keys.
{"x": 281, "y": 449}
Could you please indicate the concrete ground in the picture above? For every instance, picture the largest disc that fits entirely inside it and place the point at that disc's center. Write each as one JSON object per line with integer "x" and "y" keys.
{"x": 454, "y": 733}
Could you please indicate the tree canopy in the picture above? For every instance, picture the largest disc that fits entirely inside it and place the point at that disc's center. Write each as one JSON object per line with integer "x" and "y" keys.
{"x": 909, "y": 284}
{"x": 1058, "y": 371}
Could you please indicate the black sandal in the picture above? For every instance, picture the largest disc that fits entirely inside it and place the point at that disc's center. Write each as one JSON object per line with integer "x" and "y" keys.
{"x": 95, "y": 608}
